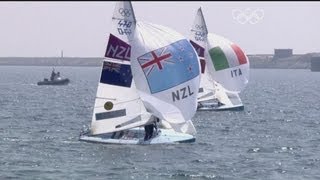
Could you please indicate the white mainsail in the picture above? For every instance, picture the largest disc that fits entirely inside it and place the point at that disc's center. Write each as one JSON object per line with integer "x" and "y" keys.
{"x": 198, "y": 39}
{"x": 117, "y": 104}
{"x": 166, "y": 70}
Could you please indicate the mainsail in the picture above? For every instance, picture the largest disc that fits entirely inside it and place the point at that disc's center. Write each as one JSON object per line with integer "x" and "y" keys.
{"x": 117, "y": 104}
{"x": 198, "y": 39}
{"x": 166, "y": 70}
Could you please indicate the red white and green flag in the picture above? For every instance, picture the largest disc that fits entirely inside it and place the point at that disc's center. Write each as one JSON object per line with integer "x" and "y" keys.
{"x": 220, "y": 58}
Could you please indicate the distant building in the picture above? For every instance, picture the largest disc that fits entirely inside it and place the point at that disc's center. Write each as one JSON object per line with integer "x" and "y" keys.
{"x": 282, "y": 53}
{"x": 315, "y": 63}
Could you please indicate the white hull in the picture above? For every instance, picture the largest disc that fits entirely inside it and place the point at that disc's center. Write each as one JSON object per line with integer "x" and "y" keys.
{"x": 136, "y": 136}
{"x": 213, "y": 106}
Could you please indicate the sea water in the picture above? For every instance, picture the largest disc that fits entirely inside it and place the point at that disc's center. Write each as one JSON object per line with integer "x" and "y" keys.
{"x": 277, "y": 136}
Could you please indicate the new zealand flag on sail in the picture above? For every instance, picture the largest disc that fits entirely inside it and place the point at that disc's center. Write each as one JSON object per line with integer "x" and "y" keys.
{"x": 169, "y": 66}
{"x": 116, "y": 74}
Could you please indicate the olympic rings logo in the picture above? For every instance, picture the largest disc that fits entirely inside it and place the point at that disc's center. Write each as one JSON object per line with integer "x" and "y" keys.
{"x": 199, "y": 27}
{"x": 248, "y": 15}
{"x": 124, "y": 12}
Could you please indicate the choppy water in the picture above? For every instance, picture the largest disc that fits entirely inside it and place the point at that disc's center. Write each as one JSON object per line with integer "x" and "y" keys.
{"x": 276, "y": 137}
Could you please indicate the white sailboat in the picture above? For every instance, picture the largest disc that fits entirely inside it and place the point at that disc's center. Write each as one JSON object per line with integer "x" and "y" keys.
{"x": 121, "y": 110}
{"x": 222, "y": 100}
{"x": 220, "y": 86}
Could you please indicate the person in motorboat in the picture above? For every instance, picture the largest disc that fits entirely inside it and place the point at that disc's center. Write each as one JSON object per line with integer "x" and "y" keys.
{"x": 57, "y": 76}
{"x": 53, "y": 74}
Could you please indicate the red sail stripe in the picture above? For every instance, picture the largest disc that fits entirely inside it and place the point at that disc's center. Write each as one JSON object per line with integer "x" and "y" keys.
{"x": 240, "y": 54}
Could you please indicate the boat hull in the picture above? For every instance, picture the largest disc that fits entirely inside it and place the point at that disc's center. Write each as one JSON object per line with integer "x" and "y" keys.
{"x": 55, "y": 82}
{"x": 136, "y": 136}
{"x": 215, "y": 107}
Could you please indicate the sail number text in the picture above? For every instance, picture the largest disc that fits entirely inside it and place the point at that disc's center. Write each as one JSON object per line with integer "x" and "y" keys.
{"x": 124, "y": 27}
{"x": 199, "y": 36}
{"x": 181, "y": 94}
{"x": 236, "y": 72}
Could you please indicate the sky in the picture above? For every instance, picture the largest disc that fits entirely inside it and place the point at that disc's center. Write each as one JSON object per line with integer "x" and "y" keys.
{"x": 80, "y": 29}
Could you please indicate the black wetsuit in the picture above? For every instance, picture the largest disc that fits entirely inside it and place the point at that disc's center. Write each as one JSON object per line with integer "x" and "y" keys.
{"x": 148, "y": 131}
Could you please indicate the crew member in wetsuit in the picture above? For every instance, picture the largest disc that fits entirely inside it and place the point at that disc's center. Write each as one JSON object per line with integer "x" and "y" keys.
{"x": 148, "y": 131}
{"x": 156, "y": 122}
{"x": 149, "y": 128}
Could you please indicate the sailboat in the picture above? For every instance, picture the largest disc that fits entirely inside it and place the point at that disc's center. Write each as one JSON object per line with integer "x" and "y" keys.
{"x": 127, "y": 97}
{"x": 224, "y": 68}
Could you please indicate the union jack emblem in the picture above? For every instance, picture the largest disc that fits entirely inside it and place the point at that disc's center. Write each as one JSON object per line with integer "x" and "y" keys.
{"x": 154, "y": 59}
{"x": 112, "y": 66}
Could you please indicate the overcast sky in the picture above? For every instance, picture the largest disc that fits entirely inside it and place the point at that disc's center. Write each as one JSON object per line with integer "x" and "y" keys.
{"x": 80, "y": 29}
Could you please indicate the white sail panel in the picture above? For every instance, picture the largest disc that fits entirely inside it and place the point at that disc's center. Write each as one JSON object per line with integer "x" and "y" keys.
{"x": 123, "y": 10}
{"x": 228, "y": 98}
{"x": 229, "y": 65}
{"x": 221, "y": 95}
{"x": 206, "y": 88}
{"x": 199, "y": 31}
{"x": 166, "y": 71}
{"x": 113, "y": 110}
{"x": 123, "y": 20}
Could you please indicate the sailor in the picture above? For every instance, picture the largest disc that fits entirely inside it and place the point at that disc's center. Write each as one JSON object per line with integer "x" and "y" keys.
{"x": 148, "y": 131}
{"x": 156, "y": 122}
{"x": 149, "y": 128}
{"x": 53, "y": 74}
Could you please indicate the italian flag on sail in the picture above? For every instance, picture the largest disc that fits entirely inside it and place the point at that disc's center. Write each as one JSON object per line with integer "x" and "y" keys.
{"x": 227, "y": 56}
